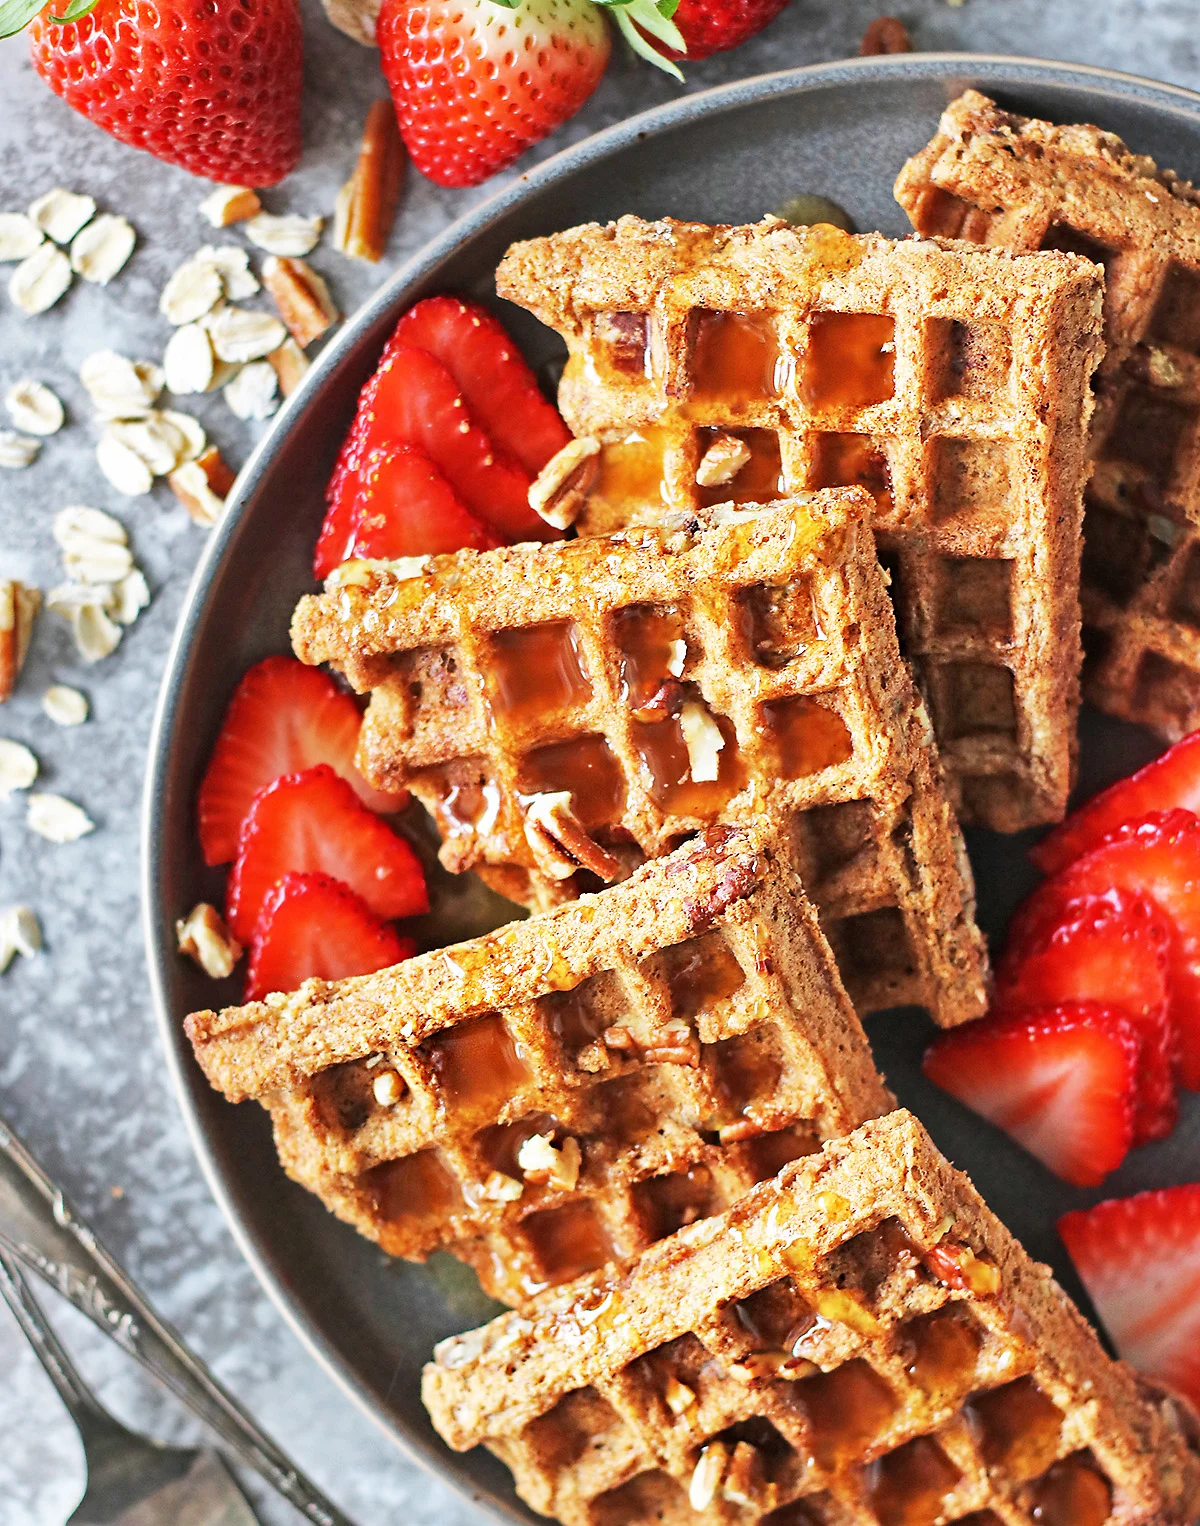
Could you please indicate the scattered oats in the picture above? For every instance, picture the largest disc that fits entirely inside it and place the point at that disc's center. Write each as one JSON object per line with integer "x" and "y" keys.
{"x": 290, "y": 234}
{"x": 230, "y": 204}
{"x": 57, "y": 819}
{"x": 20, "y": 933}
{"x": 18, "y": 767}
{"x": 203, "y": 936}
{"x": 195, "y": 441}
{"x": 290, "y": 364}
{"x": 19, "y": 236}
{"x": 83, "y": 608}
{"x": 233, "y": 266}
{"x": 19, "y": 450}
{"x": 65, "y": 706}
{"x": 34, "y": 408}
{"x": 78, "y": 525}
{"x": 40, "y": 279}
{"x": 123, "y": 467}
{"x": 61, "y": 214}
{"x": 192, "y": 484}
{"x": 253, "y": 392}
{"x": 155, "y": 439}
{"x": 703, "y": 740}
{"x": 189, "y": 360}
{"x": 192, "y": 291}
{"x": 239, "y": 335}
{"x": 387, "y": 1088}
{"x": 118, "y": 387}
{"x": 99, "y": 251}
{"x": 130, "y": 596}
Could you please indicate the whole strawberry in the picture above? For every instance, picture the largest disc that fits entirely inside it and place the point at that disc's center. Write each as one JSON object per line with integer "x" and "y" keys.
{"x": 476, "y": 82}
{"x": 715, "y": 26}
{"x": 207, "y": 84}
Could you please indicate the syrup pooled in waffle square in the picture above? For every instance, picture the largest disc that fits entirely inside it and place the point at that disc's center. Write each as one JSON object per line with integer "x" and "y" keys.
{"x": 952, "y": 383}
{"x": 663, "y": 679}
{"x": 569, "y": 1089}
{"x": 858, "y": 1342}
{"x": 1000, "y": 179}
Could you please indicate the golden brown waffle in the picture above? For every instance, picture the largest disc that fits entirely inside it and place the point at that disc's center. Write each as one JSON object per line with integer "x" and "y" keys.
{"x": 1001, "y": 179}
{"x": 859, "y": 1342}
{"x": 495, "y": 677}
{"x": 686, "y": 1032}
{"x": 953, "y": 383}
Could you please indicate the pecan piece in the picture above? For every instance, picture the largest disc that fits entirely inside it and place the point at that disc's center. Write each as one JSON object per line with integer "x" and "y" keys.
{"x": 18, "y": 609}
{"x": 564, "y": 482}
{"x": 366, "y": 205}
{"x": 886, "y": 34}
{"x": 559, "y": 844}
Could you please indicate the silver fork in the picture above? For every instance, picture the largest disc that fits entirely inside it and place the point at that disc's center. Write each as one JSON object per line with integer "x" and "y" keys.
{"x": 131, "y": 1481}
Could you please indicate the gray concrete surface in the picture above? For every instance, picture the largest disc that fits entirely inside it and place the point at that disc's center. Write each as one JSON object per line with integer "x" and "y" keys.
{"x": 80, "y": 1073}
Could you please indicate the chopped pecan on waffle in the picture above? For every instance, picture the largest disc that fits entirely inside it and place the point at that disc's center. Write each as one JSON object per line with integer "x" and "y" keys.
{"x": 569, "y": 1089}
{"x": 953, "y": 383}
{"x": 1000, "y": 179}
{"x": 857, "y": 1342}
{"x": 625, "y": 691}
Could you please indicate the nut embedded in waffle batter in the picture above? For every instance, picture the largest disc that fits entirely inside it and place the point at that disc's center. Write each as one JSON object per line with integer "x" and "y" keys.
{"x": 859, "y": 1341}
{"x": 950, "y": 382}
{"x": 997, "y": 178}
{"x": 567, "y": 1090}
{"x": 713, "y": 669}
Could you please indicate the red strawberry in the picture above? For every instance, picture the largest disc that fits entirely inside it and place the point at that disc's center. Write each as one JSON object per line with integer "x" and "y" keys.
{"x": 1061, "y": 1081}
{"x": 1158, "y": 858}
{"x": 1114, "y": 950}
{"x": 214, "y": 88}
{"x": 335, "y": 543}
{"x": 313, "y": 822}
{"x": 1171, "y": 780}
{"x": 283, "y": 717}
{"x": 714, "y": 26}
{"x": 405, "y": 507}
{"x": 311, "y": 925}
{"x": 500, "y": 389}
{"x": 475, "y": 83}
{"x": 1139, "y": 1258}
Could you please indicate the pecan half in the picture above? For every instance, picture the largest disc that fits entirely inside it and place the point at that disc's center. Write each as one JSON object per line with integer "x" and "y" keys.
{"x": 559, "y": 844}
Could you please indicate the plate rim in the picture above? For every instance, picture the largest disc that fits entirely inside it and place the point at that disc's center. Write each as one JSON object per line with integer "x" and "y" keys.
{"x": 996, "y": 70}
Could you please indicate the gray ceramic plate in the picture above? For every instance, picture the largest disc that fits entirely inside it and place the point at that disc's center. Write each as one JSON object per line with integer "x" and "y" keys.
{"x": 729, "y": 155}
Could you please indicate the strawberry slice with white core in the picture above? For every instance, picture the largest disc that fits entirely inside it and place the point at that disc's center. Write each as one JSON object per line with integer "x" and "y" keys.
{"x": 1139, "y": 1258}
{"x": 312, "y": 925}
{"x": 1170, "y": 781}
{"x": 1061, "y": 1081}
{"x": 1115, "y": 950}
{"x": 1158, "y": 858}
{"x": 283, "y": 717}
{"x": 313, "y": 822}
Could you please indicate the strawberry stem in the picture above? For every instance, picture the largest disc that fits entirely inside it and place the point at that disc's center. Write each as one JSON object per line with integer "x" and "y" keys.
{"x": 634, "y": 18}
{"x": 16, "y": 14}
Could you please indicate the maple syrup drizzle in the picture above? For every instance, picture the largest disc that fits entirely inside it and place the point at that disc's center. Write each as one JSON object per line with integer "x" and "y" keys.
{"x": 846, "y": 1409}
{"x": 759, "y": 481}
{"x": 808, "y": 736}
{"x": 1019, "y": 1427}
{"x": 646, "y": 635}
{"x": 668, "y": 769}
{"x": 623, "y": 341}
{"x": 769, "y": 1153}
{"x": 668, "y": 1203}
{"x": 700, "y": 973}
{"x": 735, "y": 358}
{"x": 746, "y": 1071}
{"x": 779, "y": 621}
{"x": 910, "y": 1486}
{"x": 536, "y": 670}
{"x": 586, "y": 767}
{"x": 499, "y": 1144}
{"x": 567, "y": 1241}
{"x": 850, "y": 361}
{"x": 464, "y": 805}
{"x": 943, "y": 1351}
{"x": 852, "y": 460}
{"x": 572, "y": 1018}
{"x": 631, "y": 471}
{"x": 476, "y": 1061}
{"x": 1073, "y": 1493}
{"x": 415, "y": 1187}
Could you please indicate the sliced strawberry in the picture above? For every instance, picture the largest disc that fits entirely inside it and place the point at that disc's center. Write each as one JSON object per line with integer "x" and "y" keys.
{"x": 500, "y": 389}
{"x": 313, "y": 822}
{"x": 1171, "y": 780}
{"x": 312, "y": 925}
{"x": 1061, "y": 1081}
{"x": 336, "y": 539}
{"x": 1156, "y": 857}
{"x": 1114, "y": 950}
{"x": 405, "y": 507}
{"x": 283, "y": 717}
{"x": 1139, "y": 1258}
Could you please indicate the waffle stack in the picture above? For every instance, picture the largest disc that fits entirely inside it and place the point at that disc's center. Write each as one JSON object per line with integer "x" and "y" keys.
{"x": 952, "y": 383}
{"x": 722, "y": 669}
{"x": 664, "y": 1047}
{"x": 996, "y": 178}
{"x": 857, "y": 1342}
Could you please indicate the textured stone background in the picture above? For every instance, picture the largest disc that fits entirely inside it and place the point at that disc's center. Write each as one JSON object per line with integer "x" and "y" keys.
{"x": 80, "y": 1073}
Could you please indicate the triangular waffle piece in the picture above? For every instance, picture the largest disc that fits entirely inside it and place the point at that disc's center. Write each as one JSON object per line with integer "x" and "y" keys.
{"x": 951, "y": 382}
{"x": 1001, "y": 179}
{"x": 664, "y": 1046}
{"x": 857, "y": 1342}
{"x": 501, "y": 679}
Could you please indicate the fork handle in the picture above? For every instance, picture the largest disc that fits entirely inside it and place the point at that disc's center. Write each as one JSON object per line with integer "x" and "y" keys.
{"x": 39, "y": 1228}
